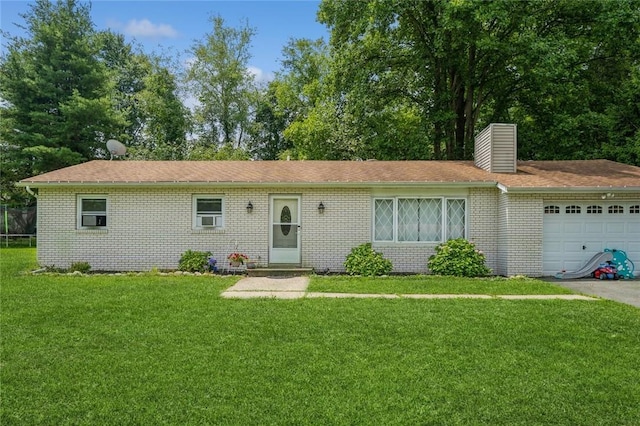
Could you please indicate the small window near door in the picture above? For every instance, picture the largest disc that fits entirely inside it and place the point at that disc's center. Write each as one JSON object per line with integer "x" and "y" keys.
{"x": 635, "y": 209}
{"x": 616, "y": 209}
{"x": 594, "y": 210}
{"x": 551, "y": 210}
{"x": 573, "y": 210}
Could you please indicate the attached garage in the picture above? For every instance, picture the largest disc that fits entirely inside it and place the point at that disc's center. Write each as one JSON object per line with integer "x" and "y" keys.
{"x": 574, "y": 231}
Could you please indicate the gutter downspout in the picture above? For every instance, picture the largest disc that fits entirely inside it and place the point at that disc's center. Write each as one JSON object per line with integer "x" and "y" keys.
{"x": 30, "y": 191}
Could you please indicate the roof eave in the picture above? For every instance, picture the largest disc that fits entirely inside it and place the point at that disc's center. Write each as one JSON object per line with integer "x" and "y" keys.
{"x": 113, "y": 184}
{"x": 566, "y": 189}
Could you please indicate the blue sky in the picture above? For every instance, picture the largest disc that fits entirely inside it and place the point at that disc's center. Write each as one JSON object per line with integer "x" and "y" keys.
{"x": 174, "y": 25}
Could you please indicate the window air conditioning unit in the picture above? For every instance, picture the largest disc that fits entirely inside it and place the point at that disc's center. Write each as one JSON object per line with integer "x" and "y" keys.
{"x": 209, "y": 221}
{"x": 94, "y": 220}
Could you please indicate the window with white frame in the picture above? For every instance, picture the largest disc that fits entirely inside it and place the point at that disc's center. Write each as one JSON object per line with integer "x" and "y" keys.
{"x": 208, "y": 211}
{"x": 456, "y": 218}
{"x": 404, "y": 219}
{"x": 92, "y": 211}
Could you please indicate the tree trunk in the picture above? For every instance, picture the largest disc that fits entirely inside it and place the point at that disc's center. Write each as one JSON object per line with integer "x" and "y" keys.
{"x": 458, "y": 148}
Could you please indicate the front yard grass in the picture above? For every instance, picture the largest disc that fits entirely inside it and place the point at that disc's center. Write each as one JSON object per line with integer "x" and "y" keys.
{"x": 168, "y": 350}
{"x": 429, "y": 284}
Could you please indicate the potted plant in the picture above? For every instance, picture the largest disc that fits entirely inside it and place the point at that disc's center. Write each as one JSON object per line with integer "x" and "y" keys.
{"x": 237, "y": 259}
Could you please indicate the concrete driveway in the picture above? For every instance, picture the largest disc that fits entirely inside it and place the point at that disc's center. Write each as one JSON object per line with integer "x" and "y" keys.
{"x": 623, "y": 291}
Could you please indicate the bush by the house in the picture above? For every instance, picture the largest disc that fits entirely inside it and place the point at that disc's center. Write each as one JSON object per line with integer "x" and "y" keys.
{"x": 194, "y": 261}
{"x": 82, "y": 267}
{"x": 460, "y": 258}
{"x": 363, "y": 260}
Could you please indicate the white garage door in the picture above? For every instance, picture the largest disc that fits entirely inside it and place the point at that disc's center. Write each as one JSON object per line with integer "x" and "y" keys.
{"x": 575, "y": 231}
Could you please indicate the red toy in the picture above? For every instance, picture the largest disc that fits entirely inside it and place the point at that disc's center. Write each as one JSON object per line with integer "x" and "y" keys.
{"x": 606, "y": 271}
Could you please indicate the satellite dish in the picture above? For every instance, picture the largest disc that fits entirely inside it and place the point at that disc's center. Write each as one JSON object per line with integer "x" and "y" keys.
{"x": 116, "y": 148}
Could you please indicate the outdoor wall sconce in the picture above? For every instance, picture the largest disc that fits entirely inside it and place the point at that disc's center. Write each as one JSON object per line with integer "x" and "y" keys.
{"x": 249, "y": 207}
{"x": 320, "y": 208}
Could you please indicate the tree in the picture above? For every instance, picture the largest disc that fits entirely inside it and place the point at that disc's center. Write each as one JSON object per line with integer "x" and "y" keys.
{"x": 146, "y": 92}
{"x": 223, "y": 152}
{"x": 165, "y": 116}
{"x": 267, "y": 129}
{"x": 439, "y": 69}
{"x": 580, "y": 96}
{"x": 288, "y": 100}
{"x": 435, "y": 63}
{"x": 220, "y": 80}
{"x": 57, "y": 111}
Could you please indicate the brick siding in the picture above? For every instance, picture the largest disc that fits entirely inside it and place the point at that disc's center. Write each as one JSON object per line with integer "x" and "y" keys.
{"x": 152, "y": 227}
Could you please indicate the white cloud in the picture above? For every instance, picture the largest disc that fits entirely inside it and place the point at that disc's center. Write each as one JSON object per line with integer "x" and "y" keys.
{"x": 190, "y": 101}
{"x": 259, "y": 75}
{"x": 146, "y": 28}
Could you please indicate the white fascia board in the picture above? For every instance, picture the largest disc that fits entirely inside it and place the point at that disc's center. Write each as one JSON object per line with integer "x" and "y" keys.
{"x": 567, "y": 189}
{"x": 261, "y": 184}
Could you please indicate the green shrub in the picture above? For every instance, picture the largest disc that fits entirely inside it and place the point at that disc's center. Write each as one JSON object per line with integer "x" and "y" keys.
{"x": 82, "y": 267}
{"x": 460, "y": 258}
{"x": 194, "y": 261}
{"x": 363, "y": 260}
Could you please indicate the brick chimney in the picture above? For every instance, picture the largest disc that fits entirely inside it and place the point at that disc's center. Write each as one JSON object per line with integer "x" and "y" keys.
{"x": 496, "y": 148}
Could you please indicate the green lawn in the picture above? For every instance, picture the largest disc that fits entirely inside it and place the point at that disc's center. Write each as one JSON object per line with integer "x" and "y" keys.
{"x": 422, "y": 284}
{"x": 169, "y": 350}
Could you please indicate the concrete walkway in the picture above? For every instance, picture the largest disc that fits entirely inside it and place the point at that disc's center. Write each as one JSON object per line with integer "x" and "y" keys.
{"x": 296, "y": 288}
{"x": 275, "y": 287}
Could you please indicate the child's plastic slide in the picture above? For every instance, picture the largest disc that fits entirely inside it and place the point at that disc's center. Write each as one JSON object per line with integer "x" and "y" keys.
{"x": 588, "y": 268}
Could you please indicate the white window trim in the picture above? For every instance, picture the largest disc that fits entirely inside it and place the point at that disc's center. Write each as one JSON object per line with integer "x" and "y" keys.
{"x": 394, "y": 229}
{"x": 79, "y": 212}
{"x": 194, "y": 211}
{"x": 444, "y": 218}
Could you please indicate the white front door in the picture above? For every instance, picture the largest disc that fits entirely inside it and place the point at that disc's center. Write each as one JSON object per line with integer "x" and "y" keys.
{"x": 284, "y": 238}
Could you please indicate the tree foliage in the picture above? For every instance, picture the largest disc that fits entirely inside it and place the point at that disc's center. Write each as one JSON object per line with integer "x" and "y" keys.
{"x": 67, "y": 89}
{"x": 57, "y": 109}
{"x": 427, "y": 72}
{"x": 146, "y": 92}
{"x": 399, "y": 79}
{"x": 267, "y": 130}
{"x": 220, "y": 80}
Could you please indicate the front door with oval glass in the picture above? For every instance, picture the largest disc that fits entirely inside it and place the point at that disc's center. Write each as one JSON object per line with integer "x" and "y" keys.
{"x": 285, "y": 229}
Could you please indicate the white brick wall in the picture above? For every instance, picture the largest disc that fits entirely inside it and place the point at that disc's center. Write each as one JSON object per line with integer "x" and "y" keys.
{"x": 484, "y": 223}
{"x": 503, "y": 235}
{"x": 519, "y": 235}
{"x": 152, "y": 227}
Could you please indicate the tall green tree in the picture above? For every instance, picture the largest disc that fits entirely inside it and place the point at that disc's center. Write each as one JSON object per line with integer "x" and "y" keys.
{"x": 219, "y": 78}
{"x": 580, "y": 92}
{"x": 283, "y": 116}
{"x": 57, "y": 110}
{"x": 431, "y": 71}
{"x": 429, "y": 66}
{"x": 166, "y": 119}
{"x": 267, "y": 129}
{"x": 145, "y": 91}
